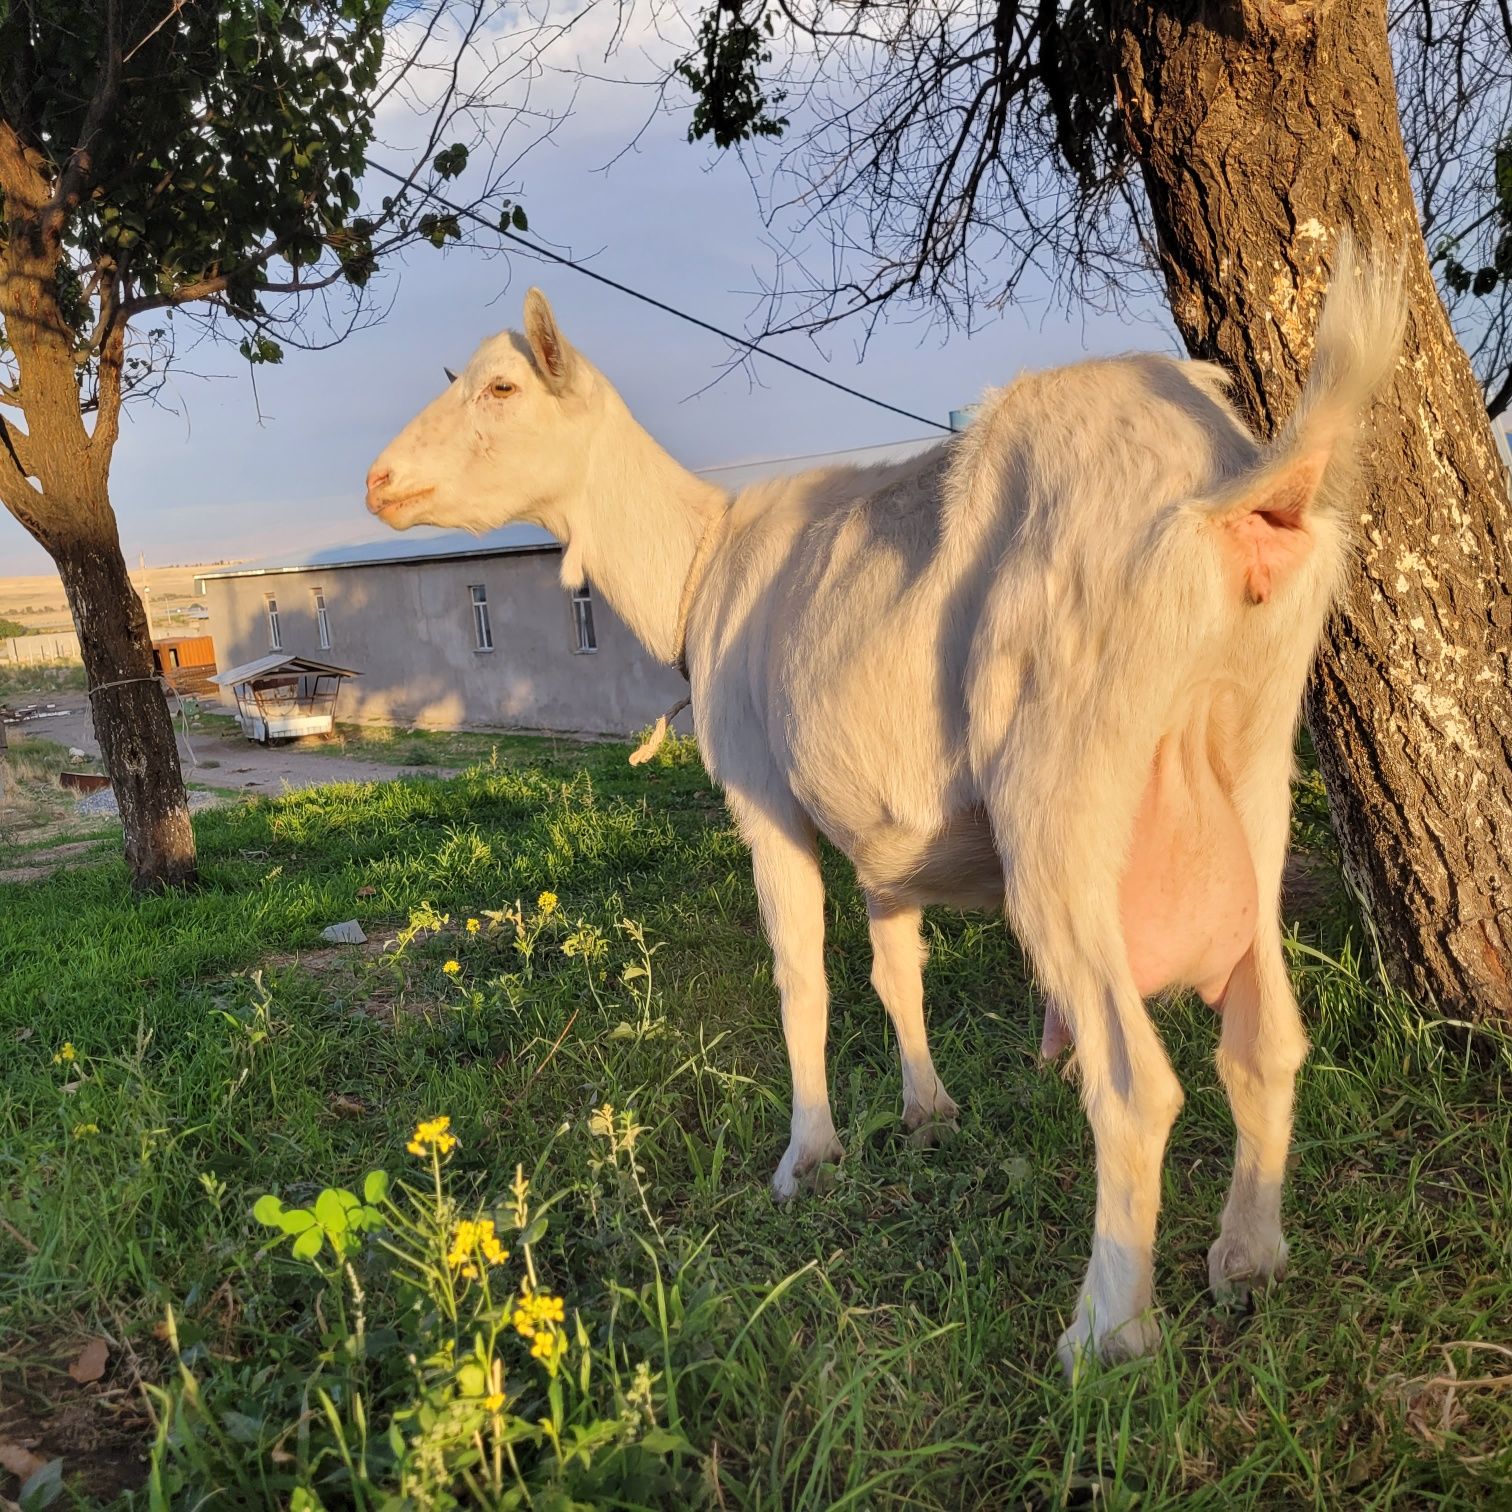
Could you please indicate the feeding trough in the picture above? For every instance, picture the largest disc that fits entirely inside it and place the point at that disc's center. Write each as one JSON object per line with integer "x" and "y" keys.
{"x": 280, "y": 697}
{"x": 83, "y": 782}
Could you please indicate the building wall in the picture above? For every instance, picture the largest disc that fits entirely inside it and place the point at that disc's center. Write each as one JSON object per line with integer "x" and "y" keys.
{"x": 408, "y": 629}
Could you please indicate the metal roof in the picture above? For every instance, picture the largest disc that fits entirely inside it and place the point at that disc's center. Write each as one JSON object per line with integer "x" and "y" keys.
{"x": 392, "y": 549}
{"x": 278, "y": 661}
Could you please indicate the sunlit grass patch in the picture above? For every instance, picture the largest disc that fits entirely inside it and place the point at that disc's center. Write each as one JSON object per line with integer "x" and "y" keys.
{"x": 611, "y": 1027}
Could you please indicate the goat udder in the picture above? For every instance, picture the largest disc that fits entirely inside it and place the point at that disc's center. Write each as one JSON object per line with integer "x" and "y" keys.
{"x": 1188, "y": 898}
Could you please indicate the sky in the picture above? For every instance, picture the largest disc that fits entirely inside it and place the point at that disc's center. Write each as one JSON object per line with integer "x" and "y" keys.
{"x": 235, "y": 470}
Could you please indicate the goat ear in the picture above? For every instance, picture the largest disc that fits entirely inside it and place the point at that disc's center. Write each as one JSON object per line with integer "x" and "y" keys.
{"x": 1265, "y": 528}
{"x": 552, "y": 355}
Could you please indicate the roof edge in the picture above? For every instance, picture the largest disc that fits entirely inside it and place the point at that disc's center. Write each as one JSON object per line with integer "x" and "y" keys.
{"x": 408, "y": 560}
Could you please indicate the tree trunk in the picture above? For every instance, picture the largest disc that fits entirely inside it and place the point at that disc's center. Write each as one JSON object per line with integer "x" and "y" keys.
{"x": 1262, "y": 127}
{"x": 130, "y": 713}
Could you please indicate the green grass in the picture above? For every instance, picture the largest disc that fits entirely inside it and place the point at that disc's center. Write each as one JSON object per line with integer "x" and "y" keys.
{"x": 890, "y": 1343}
{"x": 444, "y": 748}
{"x": 36, "y": 681}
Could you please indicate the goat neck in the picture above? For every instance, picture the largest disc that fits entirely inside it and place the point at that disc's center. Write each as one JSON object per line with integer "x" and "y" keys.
{"x": 635, "y": 530}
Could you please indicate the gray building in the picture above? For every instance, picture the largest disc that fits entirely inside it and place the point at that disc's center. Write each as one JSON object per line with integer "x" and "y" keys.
{"x": 458, "y": 632}
{"x": 450, "y": 633}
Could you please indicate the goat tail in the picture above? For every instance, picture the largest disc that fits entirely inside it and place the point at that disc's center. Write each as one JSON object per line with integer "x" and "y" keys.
{"x": 1357, "y": 345}
{"x": 1309, "y": 464}
{"x": 1358, "y": 340}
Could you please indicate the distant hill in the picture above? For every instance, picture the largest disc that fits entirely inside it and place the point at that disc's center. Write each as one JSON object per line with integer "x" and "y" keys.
{"x": 38, "y": 604}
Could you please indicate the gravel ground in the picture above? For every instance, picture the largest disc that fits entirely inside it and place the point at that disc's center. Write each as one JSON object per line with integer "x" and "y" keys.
{"x": 102, "y": 805}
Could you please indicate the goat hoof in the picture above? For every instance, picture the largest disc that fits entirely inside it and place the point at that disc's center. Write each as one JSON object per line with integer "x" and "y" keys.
{"x": 928, "y": 1126}
{"x": 932, "y": 1132}
{"x": 812, "y": 1168}
{"x": 1240, "y": 1265}
{"x": 1081, "y": 1343}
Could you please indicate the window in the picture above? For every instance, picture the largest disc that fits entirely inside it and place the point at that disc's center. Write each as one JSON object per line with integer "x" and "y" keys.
{"x": 322, "y": 619}
{"x": 482, "y": 627}
{"x": 582, "y": 618}
{"x": 275, "y": 635}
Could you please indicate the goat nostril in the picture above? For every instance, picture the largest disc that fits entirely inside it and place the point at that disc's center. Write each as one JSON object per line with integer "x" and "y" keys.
{"x": 378, "y": 476}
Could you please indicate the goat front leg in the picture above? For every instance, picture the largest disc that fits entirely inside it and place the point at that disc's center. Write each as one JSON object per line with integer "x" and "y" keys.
{"x": 898, "y": 955}
{"x": 790, "y": 891}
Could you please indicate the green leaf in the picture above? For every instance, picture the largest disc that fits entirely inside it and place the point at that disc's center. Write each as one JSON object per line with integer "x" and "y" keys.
{"x": 536, "y": 1231}
{"x": 42, "y": 1487}
{"x": 269, "y": 1210}
{"x": 330, "y": 1210}
{"x": 307, "y": 1246}
{"x": 472, "y": 1379}
{"x": 244, "y": 1429}
{"x": 375, "y": 1186}
{"x": 665, "y": 1441}
{"x": 296, "y": 1220}
{"x": 517, "y": 218}
{"x": 451, "y": 161}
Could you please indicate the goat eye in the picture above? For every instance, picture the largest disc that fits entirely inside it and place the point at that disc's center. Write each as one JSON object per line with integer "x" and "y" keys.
{"x": 500, "y": 388}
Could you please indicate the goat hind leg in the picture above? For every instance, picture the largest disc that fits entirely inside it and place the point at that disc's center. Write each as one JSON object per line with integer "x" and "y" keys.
{"x": 1262, "y": 1042}
{"x": 1128, "y": 1089}
{"x": 1262, "y": 1046}
{"x": 898, "y": 955}
{"x": 1131, "y": 1097}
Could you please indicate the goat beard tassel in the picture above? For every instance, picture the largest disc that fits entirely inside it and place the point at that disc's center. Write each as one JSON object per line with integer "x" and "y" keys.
{"x": 653, "y": 742}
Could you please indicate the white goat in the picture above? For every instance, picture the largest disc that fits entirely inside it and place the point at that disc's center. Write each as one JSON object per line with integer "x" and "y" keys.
{"x": 1052, "y": 665}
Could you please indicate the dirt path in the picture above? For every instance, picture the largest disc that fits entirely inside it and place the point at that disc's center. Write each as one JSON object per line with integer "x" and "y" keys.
{"x": 44, "y": 863}
{"x": 242, "y": 765}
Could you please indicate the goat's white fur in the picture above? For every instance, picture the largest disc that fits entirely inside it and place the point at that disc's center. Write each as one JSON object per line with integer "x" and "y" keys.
{"x": 969, "y": 670}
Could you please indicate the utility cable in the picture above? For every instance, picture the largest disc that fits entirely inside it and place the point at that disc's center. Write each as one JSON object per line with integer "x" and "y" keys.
{"x": 743, "y": 341}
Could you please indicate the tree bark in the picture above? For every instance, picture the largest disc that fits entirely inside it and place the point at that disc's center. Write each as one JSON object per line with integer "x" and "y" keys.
{"x": 1262, "y": 127}
{"x": 131, "y": 719}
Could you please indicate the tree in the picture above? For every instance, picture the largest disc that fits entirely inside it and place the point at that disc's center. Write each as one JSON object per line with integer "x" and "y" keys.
{"x": 163, "y": 154}
{"x": 959, "y": 145}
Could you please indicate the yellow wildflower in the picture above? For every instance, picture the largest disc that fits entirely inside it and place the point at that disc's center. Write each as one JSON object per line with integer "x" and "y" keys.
{"x": 464, "y": 1242}
{"x": 547, "y": 902}
{"x": 431, "y": 1134}
{"x": 472, "y": 1239}
{"x": 80, "y": 1131}
{"x": 537, "y": 1312}
{"x": 473, "y": 926}
{"x": 548, "y": 1346}
{"x": 494, "y": 1402}
{"x": 67, "y": 1053}
{"x": 488, "y": 1242}
{"x": 452, "y": 968}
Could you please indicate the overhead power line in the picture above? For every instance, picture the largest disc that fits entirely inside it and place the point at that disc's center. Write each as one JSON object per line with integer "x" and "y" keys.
{"x": 743, "y": 341}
